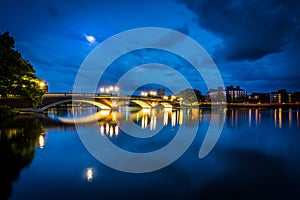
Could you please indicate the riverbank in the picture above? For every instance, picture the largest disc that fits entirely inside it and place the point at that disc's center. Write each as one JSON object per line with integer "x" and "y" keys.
{"x": 243, "y": 105}
{"x": 6, "y": 111}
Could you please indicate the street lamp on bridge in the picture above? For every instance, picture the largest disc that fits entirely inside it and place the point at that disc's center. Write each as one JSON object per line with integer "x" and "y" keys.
{"x": 109, "y": 90}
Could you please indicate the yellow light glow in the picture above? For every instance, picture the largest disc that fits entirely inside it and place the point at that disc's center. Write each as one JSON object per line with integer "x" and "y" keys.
{"x": 102, "y": 130}
{"x": 117, "y": 88}
{"x": 173, "y": 119}
{"x": 280, "y": 118}
{"x": 166, "y": 118}
{"x": 105, "y": 112}
{"x": 42, "y": 84}
{"x": 290, "y": 117}
{"x": 42, "y": 141}
{"x": 102, "y": 89}
{"x": 146, "y": 110}
{"x": 114, "y": 116}
{"x": 89, "y": 174}
{"x": 116, "y": 130}
{"x": 111, "y": 88}
{"x": 111, "y": 131}
{"x": 107, "y": 128}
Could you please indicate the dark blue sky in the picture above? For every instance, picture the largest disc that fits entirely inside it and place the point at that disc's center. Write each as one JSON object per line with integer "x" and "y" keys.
{"x": 255, "y": 44}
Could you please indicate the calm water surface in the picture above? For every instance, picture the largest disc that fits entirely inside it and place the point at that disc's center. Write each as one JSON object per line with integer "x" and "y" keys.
{"x": 256, "y": 156}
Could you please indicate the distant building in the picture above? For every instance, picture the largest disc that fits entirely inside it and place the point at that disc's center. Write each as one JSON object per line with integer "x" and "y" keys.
{"x": 218, "y": 95}
{"x": 274, "y": 97}
{"x": 161, "y": 92}
{"x": 235, "y": 94}
{"x": 281, "y": 96}
{"x": 257, "y": 97}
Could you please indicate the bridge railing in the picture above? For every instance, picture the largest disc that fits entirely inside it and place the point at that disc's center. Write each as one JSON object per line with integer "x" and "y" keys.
{"x": 59, "y": 94}
{"x": 92, "y": 95}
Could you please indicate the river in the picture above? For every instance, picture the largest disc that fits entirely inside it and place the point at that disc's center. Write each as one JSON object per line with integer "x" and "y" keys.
{"x": 256, "y": 156}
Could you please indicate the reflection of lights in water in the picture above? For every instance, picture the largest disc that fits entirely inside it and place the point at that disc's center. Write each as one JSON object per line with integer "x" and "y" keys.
{"x": 256, "y": 117}
{"x": 168, "y": 109}
{"x": 146, "y": 110}
{"x": 180, "y": 117}
{"x": 89, "y": 174}
{"x": 173, "y": 119}
{"x": 297, "y": 118}
{"x": 126, "y": 113}
{"x": 232, "y": 117}
{"x": 111, "y": 131}
{"x": 104, "y": 112}
{"x": 280, "y": 117}
{"x": 201, "y": 114}
{"x": 153, "y": 123}
{"x": 116, "y": 130}
{"x": 42, "y": 140}
{"x": 290, "y": 117}
{"x": 107, "y": 129}
{"x": 114, "y": 116}
{"x": 165, "y": 118}
{"x": 194, "y": 113}
{"x": 275, "y": 118}
{"x": 144, "y": 122}
{"x": 250, "y": 117}
{"x": 102, "y": 130}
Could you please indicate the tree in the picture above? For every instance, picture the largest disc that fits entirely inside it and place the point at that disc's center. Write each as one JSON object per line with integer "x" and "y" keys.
{"x": 17, "y": 77}
{"x": 191, "y": 95}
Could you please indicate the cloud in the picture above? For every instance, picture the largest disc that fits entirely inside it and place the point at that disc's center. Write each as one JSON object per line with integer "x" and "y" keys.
{"x": 250, "y": 29}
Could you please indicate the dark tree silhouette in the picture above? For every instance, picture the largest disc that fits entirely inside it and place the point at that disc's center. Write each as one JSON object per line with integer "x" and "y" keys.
{"x": 17, "y": 146}
{"x": 17, "y": 77}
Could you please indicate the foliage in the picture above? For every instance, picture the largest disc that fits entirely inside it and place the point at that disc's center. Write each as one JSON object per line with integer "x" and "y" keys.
{"x": 6, "y": 111}
{"x": 17, "y": 76}
{"x": 17, "y": 145}
{"x": 191, "y": 95}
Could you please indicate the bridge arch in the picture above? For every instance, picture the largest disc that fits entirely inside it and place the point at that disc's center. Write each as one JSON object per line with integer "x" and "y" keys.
{"x": 142, "y": 104}
{"x": 100, "y": 105}
{"x": 166, "y": 104}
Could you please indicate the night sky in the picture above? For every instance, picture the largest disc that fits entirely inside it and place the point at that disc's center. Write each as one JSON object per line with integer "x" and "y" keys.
{"x": 255, "y": 44}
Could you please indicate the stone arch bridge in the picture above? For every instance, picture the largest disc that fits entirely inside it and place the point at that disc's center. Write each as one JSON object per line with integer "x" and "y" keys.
{"x": 104, "y": 102}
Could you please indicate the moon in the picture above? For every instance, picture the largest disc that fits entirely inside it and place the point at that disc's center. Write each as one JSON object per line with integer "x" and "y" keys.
{"x": 91, "y": 39}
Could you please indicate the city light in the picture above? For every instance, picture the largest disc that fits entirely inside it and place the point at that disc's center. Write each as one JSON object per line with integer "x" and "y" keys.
{"x": 144, "y": 94}
{"x": 89, "y": 174}
{"x": 42, "y": 84}
{"x": 173, "y": 98}
{"x": 153, "y": 93}
{"x": 42, "y": 141}
{"x": 109, "y": 89}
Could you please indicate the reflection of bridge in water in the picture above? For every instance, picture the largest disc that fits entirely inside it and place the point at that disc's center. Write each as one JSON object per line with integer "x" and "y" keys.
{"x": 104, "y": 102}
{"x": 146, "y": 120}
